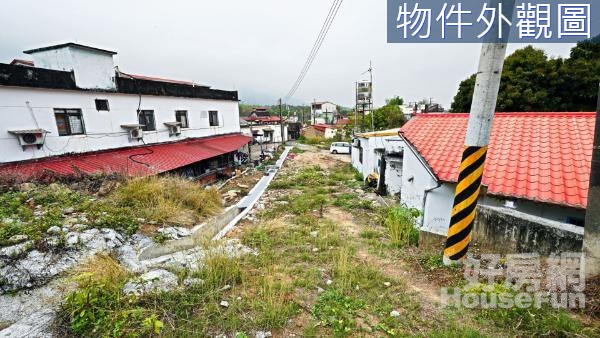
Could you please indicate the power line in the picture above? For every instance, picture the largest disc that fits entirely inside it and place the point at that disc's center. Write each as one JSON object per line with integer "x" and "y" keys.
{"x": 335, "y": 6}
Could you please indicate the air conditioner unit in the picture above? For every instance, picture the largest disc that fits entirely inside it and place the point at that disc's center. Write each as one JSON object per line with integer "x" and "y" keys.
{"x": 136, "y": 134}
{"x": 174, "y": 128}
{"x": 30, "y": 137}
{"x": 135, "y": 131}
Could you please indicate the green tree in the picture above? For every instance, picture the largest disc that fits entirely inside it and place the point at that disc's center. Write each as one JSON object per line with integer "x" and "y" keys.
{"x": 533, "y": 82}
{"x": 388, "y": 116}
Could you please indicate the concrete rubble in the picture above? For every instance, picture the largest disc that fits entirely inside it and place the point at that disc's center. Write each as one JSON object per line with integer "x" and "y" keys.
{"x": 33, "y": 287}
{"x": 158, "y": 280}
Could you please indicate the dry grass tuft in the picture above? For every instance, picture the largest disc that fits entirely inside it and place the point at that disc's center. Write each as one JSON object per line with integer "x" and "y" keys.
{"x": 101, "y": 267}
{"x": 169, "y": 199}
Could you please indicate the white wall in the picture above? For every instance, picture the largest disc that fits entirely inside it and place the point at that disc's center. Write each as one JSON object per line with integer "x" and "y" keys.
{"x": 415, "y": 180}
{"x": 103, "y": 129}
{"x": 247, "y": 130}
{"x": 544, "y": 210}
{"x": 393, "y": 175}
{"x": 370, "y": 158}
{"x": 93, "y": 70}
{"x": 439, "y": 201}
{"x": 318, "y": 116}
{"x": 330, "y": 133}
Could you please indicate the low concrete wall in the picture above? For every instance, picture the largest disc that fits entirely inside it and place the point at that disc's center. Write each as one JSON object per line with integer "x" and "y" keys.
{"x": 502, "y": 230}
{"x": 202, "y": 233}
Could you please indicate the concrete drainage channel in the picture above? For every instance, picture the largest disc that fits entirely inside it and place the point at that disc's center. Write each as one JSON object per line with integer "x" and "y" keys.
{"x": 217, "y": 227}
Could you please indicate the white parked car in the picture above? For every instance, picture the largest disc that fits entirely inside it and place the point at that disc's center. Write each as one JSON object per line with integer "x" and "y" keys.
{"x": 340, "y": 148}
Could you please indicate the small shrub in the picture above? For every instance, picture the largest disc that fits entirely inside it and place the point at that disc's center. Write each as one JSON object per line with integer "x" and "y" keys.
{"x": 400, "y": 223}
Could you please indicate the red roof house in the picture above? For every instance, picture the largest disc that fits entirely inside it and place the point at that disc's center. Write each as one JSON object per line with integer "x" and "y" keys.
{"x": 544, "y": 157}
{"x": 133, "y": 161}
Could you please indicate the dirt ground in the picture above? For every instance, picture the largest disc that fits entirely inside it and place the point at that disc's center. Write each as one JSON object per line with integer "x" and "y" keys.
{"x": 423, "y": 289}
{"x": 359, "y": 230}
{"x": 314, "y": 156}
{"x": 239, "y": 186}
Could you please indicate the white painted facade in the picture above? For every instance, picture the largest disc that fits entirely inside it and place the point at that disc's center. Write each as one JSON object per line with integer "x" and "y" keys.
{"x": 93, "y": 69}
{"x": 372, "y": 149}
{"x": 436, "y": 205}
{"x": 330, "y": 132}
{"x": 322, "y": 112}
{"x": 31, "y": 108}
{"x": 271, "y": 133}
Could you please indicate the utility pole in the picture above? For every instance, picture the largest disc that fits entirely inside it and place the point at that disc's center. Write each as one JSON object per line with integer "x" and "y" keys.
{"x": 281, "y": 124}
{"x": 371, "y": 96}
{"x": 356, "y": 108}
{"x": 483, "y": 107}
{"x": 591, "y": 235}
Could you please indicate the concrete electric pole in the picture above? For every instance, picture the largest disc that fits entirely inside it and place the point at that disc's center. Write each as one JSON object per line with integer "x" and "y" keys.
{"x": 281, "y": 124}
{"x": 591, "y": 235}
{"x": 483, "y": 107}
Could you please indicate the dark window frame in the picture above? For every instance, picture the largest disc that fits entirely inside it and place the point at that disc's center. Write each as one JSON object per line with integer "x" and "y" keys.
{"x": 96, "y": 101}
{"x": 66, "y": 113}
{"x": 143, "y": 120}
{"x": 213, "y": 118}
{"x": 178, "y": 114}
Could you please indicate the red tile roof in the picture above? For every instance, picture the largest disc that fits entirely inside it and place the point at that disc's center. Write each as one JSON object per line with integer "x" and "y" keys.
{"x": 543, "y": 157}
{"x": 342, "y": 122}
{"x": 322, "y": 127}
{"x": 137, "y": 161}
{"x": 263, "y": 119}
{"x": 22, "y": 62}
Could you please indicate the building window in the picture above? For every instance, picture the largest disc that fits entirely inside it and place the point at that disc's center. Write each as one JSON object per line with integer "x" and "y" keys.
{"x": 69, "y": 122}
{"x": 102, "y": 105}
{"x": 213, "y": 118}
{"x": 181, "y": 117}
{"x": 146, "y": 118}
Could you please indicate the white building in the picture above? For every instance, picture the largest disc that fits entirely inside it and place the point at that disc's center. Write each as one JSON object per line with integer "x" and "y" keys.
{"x": 264, "y": 128}
{"x": 323, "y": 112}
{"x": 537, "y": 164}
{"x": 380, "y": 154}
{"x": 75, "y": 101}
{"x": 266, "y": 133}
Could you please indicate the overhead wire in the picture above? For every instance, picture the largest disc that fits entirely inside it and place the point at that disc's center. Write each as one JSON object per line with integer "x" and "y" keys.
{"x": 316, "y": 47}
{"x": 333, "y": 10}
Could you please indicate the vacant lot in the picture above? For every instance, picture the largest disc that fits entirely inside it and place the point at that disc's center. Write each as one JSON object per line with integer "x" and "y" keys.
{"x": 333, "y": 260}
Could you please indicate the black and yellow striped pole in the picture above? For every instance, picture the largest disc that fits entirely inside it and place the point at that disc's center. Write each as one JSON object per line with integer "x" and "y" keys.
{"x": 487, "y": 84}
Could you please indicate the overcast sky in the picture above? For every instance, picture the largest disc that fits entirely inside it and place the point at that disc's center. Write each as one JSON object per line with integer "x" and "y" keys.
{"x": 256, "y": 47}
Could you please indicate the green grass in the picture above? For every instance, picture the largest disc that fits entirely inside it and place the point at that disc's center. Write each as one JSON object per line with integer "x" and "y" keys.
{"x": 338, "y": 311}
{"x": 400, "y": 223}
{"x": 309, "y": 270}
{"x": 31, "y": 213}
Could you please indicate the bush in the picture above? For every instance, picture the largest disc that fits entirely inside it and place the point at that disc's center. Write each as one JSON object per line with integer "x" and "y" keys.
{"x": 400, "y": 223}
